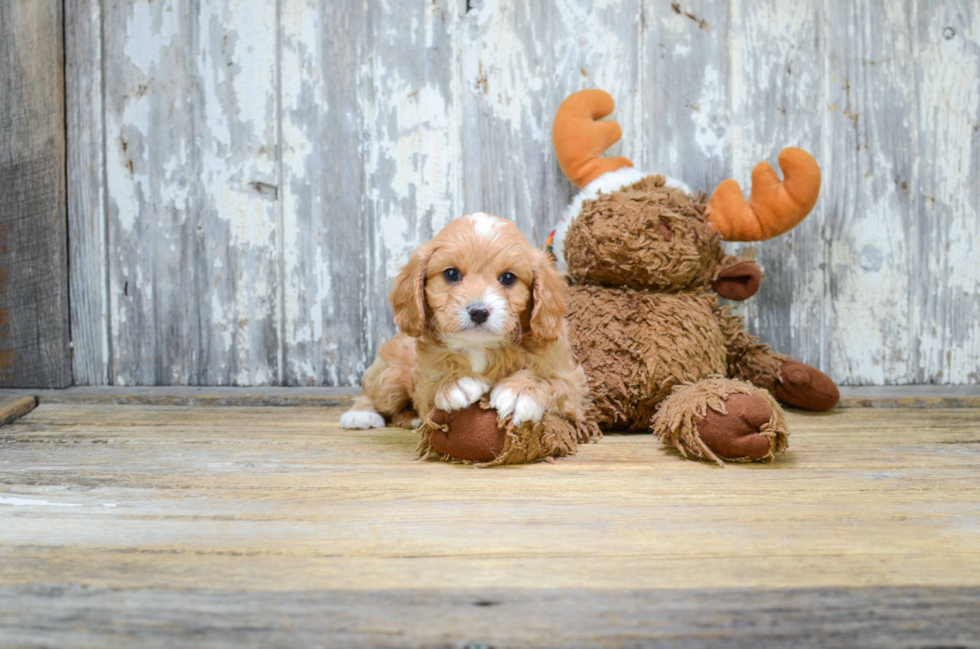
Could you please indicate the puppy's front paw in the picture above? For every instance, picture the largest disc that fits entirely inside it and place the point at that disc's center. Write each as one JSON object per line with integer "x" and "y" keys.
{"x": 361, "y": 420}
{"x": 523, "y": 406}
{"x": 461, "y": 394}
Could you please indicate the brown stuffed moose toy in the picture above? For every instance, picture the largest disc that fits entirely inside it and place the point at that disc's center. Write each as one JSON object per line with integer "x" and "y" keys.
{"x": 646, "y": 267}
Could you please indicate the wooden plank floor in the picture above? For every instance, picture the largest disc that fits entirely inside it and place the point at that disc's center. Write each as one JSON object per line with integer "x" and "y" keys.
{"x": 260, "y": 526}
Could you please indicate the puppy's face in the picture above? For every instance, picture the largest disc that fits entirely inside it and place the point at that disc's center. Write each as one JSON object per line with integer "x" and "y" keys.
{"x": 479, "y": 282}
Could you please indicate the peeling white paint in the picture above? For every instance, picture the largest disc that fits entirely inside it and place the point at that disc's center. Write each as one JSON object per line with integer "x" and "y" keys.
{"x": 440, "y": 110}
{"x": 16, "y": 501}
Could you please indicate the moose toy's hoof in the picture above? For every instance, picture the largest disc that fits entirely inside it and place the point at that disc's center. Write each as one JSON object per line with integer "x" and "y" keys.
{"x": 737, "y": 434}
{"x": 472, "y": 434}
{"x": 806, "y": 387}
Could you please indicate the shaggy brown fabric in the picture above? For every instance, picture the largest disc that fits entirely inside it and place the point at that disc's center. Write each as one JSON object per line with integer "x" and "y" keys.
{"x": 550, "y": 438}
{"x": 649, "y": 331}
{"x": 748, "y": 359}
{"x": 677, "y": 421}
{"x": 619, "y": 239}
{"x": 635, "y": 346}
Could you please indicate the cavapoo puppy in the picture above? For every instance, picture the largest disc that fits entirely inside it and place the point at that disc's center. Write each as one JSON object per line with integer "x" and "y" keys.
{"x": 480, "y": 310}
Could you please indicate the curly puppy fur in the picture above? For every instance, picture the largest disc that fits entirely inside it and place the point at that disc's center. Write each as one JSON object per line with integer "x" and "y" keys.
{"x": 481, "y": 312}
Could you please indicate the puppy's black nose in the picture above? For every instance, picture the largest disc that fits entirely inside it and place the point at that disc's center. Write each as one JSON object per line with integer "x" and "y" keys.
{"x": 478, "y": 313}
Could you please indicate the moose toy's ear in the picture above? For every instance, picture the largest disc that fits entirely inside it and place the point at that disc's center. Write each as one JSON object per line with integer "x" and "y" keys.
{"x": 738, "y": 278}
{"x": 408, "y": 295}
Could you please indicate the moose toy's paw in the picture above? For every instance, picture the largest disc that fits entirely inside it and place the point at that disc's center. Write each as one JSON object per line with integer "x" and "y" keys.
{"x": 806, "y": 387}
{"x": 473, "y": 434}
{"x": 738, "y": 433}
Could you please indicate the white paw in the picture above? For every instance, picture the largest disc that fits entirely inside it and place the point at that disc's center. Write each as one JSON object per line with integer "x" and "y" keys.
{"x": 361, "y": 419}
{"x": 465, "y": 392}
{"x": 416, "y": 422}
{"x": 523, "y": 407}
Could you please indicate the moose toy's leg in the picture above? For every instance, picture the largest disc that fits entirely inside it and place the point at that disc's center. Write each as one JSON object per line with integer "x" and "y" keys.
{"x": 722, "y": 419}
{"x": 790, "y": 381}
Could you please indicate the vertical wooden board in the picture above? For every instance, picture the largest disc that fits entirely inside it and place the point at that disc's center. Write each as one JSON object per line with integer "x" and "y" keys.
{"x": 370, "y": 143}
{"x": 518, "y": 62}
{"x": 685, "y": 106}
{"x": 34, "y": 331}
{"x": 946, "y": 272}
{"x": 869, "y": 182}
{"x": 323, "y": 234}
{"x": 411, "y": 143}
{"x": 776, "y": 86}
{"x": 192, "y": 189}
{"x": 88, "y": 271}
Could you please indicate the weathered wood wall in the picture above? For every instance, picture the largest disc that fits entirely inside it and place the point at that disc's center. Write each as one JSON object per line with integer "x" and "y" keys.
{"x": 246, "y": 177}
{"x": 34, "y": 332}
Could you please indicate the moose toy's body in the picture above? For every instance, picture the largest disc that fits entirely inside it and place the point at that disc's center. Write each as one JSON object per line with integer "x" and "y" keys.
{"x": 646, "y": 265}
{"x": 644, "y": 320}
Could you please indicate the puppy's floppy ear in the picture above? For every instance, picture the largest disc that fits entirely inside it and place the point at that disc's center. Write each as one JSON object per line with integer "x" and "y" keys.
{"x": 547, "y": 300}
{"x": 408, "y": 295}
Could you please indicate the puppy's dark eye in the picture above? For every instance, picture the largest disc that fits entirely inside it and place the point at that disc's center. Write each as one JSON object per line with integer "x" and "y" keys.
{"x": 507, "y": 279}
{"x": 452, "y": 275}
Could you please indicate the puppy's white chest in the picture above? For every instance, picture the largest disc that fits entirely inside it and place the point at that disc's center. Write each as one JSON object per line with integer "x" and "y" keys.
{"x": 478, "y": 360}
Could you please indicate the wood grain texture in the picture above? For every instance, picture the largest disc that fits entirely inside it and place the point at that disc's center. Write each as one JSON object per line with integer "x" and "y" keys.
{"x": 518, "y": 62}
{"x": 777, "y": 86}
{"x": 191, "y": 184}
{"x": 370, "y": 170}
{"x": 885, "y": 618}
{"x": 164, "y": 521}
{"x": 301, "y": 150}
{"x": 88, "y": 256}
{"x": 34, "y": 330}
{"x": 871, "y": 158}
{"x": 282, "y": 499}
{"x": 946, "y": 307}
{"x": 13, "y": 408}
{"x": 685, "y": 115}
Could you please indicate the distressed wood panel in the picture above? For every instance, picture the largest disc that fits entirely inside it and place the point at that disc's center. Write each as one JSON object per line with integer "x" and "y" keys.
{"x": 518, "y": 62}
{"x": 322, "y": 228}
{"x": 34, "y": 331}
{"x": 685, "y": 113}
{"x": 870, "y": 160}
{"x": 245, "y": 248}
{"x": 777, "y": 84}
{"x": 191, "y": 178}
{"x": 370, "y": 170}
{"x": 946, "y": 268}
{"x": 89, "y": 271}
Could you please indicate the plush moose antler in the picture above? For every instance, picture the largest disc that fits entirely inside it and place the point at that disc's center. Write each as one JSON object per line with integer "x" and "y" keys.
{"x": 774, "y": 207}
{"x": 580, "y": 139}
